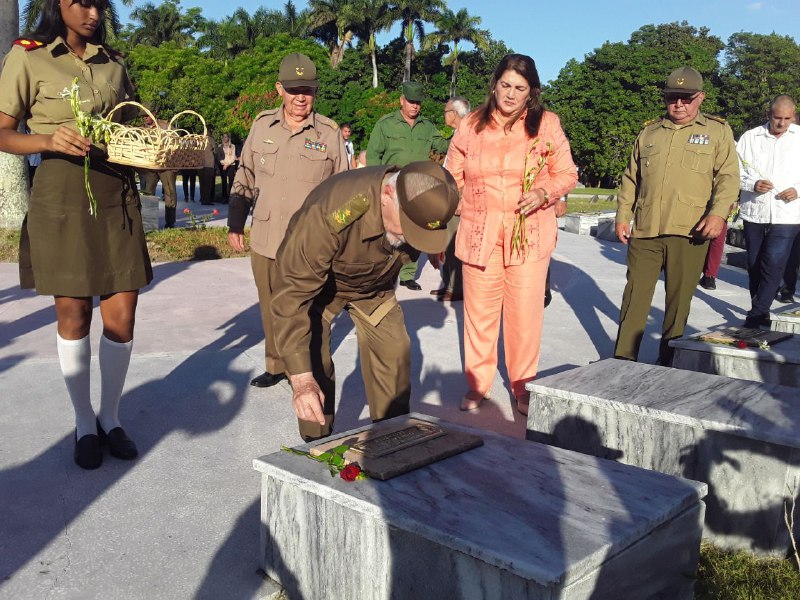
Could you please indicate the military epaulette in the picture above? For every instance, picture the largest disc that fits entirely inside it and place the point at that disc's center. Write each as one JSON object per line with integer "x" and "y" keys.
{"x": 651, "y": 122}
{"x": 716, "y": 118}
{"x": 351, "y": 211}
{"x": 327, "y": 121}
{"x": 28, "y": 44}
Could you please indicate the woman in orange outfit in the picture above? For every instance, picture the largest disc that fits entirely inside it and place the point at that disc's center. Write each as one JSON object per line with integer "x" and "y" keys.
{"x": 491, "y": 151}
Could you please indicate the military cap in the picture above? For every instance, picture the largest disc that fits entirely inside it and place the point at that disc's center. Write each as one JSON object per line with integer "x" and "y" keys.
{"x": 297, "y": 70}
{"x": 428, "y": 198}
{"x": 684, "y": 79}
{"x": 413, "y": 92}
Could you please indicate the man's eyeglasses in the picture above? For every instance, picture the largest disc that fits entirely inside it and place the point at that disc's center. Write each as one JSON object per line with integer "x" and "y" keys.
{"x": 685, "y": 98}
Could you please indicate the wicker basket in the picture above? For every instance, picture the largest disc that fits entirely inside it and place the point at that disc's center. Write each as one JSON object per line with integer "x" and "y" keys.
{"x": 156, "y": 148}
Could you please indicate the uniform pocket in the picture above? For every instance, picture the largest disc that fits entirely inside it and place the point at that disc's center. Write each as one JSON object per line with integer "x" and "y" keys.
{"x": 353, "y": 273}
{"x": 696, "y": 158}
{"x": 264, "y": 157}
{"x": 312, "y": 166}
{"x": 648, "y": 155}
{"x": 688, "y": 210}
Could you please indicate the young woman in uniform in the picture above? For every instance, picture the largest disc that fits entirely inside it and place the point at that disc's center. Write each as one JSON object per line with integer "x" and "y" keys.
{"x": 64, "y": 251}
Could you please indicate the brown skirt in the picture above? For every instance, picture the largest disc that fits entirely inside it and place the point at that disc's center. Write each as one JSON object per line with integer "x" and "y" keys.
{"x": 65, "y": 251}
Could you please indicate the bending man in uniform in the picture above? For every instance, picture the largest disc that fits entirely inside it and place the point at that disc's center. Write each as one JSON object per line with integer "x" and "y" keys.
{"x": 343, "y": 251}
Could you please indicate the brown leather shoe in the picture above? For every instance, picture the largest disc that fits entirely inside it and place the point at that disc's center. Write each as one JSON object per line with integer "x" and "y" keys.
{"x": 450, "y": 297}
{"x": 439, "y": 292}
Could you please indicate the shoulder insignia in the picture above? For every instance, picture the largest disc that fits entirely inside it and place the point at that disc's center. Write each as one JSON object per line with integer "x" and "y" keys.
{"x": 351, "y": 211}
{"x": 716, "y": 118}
{"x": 651, "y": 122}
{"x": 28, "y": 44}
{"x": 266, "y": 113}
{"x": 326, "y": 121}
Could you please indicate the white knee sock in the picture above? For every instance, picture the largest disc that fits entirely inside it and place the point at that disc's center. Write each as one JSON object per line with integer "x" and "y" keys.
{"x": 114, "y": 360}
{"x": 75, "y": 357}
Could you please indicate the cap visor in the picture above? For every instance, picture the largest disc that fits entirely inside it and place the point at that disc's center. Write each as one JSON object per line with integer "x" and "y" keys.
{"x": 680, "y": 91}
{"x": 430, "y": 241}
{"x": 314, "y": 83}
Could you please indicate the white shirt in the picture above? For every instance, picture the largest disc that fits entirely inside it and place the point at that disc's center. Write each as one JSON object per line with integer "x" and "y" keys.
{"x": 350, "y": 151}
{"x": 775, "y": 159}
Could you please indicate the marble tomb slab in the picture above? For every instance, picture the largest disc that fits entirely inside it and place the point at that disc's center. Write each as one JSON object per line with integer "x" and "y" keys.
{"x": 780, "y": 363}
{"x": 586, "y": 223}
{"x": 739, "y": 437}
{"x": 788, "y": 321}
{"x": 509, "y": 519}
{"x": 607, "y": 230}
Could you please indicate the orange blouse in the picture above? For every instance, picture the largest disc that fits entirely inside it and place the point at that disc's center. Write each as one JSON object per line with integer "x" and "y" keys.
{"x": 489, "y": 167}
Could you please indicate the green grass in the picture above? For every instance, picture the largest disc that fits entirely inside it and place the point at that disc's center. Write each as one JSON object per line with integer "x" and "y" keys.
{"x": 9, "y": 245}
{"x": 741, "y": 576}
{"x": 585, "y": 205}
{"x": 166, "y": 245}
{"x": 591, "y": 191}
{"x": 179, "y": 244}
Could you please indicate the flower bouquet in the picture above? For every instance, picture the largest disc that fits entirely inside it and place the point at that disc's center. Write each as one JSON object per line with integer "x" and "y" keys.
{"x": 91, "y": 126}
{"x": 519, "y": 241}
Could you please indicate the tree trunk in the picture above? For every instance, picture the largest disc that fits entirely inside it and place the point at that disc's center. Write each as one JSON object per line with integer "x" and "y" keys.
{"x": 407, "y": 69}
{"x": 13, "y": 169}
{"x": 374, "y": 57}
{"x": 453, "y": 78}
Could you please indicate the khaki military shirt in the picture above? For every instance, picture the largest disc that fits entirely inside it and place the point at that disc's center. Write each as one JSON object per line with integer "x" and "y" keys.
{"x": 335, "y": 254}
{"x": 394, "y": 142}
{"x": 32, "y": 81}
{"x": 677, "y": 175}
{"x": 277, "y": 171}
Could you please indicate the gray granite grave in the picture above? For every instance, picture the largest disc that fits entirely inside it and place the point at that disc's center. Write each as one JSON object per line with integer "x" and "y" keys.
{"x": 586, "y": 223}
{"x": 509, "y": 519}
{"x": 780, "y": 363}
{"x": 607, "y": 230}
{"x": 149, "y": 212}
{"x": 788, "y": 321}
{"x": 739, "y": 437}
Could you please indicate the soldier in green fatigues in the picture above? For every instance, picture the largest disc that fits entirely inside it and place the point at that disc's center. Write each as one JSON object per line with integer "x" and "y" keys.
{"x": 343, "y": 251}
{"x": 681, "y": 180}
{"x": 402, "y": 137}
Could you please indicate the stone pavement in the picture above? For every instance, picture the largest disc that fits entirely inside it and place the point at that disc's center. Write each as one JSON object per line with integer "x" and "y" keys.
{"x": 182, "y": 520}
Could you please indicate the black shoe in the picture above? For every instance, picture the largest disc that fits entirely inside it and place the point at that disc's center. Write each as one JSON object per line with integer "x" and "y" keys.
{"x": 439, "y": 292}
{"x": 708, "y": 283}
{"x": 784, "y": 296}
{"x": 411, "y": 284}
{"x": 267, "y": 379}
{"x": 762, "y": 321}
{"x": 118, "y": 442}
{"x": 88, "y": 454}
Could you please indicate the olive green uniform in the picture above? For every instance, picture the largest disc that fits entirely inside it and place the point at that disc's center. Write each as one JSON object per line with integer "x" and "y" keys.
{"x": 278, "y": 169}
{"x": 677, "y": 175}
{"x": 335, "y": 257}
{"x": 394, "y": 142}
{"x": 63, "y": 249}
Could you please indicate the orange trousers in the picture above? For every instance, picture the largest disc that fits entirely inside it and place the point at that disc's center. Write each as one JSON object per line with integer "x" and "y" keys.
{"x": 517, "y": 293}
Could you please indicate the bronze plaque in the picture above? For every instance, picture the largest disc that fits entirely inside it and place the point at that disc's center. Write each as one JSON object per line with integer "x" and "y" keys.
{"x": 387, "y": 443}
{"x": 752, "y": 336}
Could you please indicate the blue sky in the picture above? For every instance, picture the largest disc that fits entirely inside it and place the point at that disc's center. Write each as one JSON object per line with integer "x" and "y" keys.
{"x": 554, "y": 33}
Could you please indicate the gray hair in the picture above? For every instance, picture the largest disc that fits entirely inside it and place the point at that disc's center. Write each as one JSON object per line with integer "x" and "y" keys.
{"x": 460, "y": 105}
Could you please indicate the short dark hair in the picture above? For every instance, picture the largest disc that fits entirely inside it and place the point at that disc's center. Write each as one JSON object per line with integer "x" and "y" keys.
{"x": 51, "y": 25}
{"x": 343, "y": 125}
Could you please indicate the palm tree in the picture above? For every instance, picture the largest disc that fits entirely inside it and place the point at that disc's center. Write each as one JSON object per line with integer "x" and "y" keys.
{"x": 13, "y": 181}
{"x": 327, "y": 24}
{"x": 457, "y": 27}
{"x": 163, "y": 23}
{"x": 412, "y": 15}
{"x": 367, "y": 18}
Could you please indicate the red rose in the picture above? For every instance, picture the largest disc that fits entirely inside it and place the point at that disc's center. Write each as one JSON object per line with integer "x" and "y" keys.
{"x": 741, "y": 344}
{"x": 350, "y": 472}
{"x": 215, "y": 212}
{"x": 186, "y": 211}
